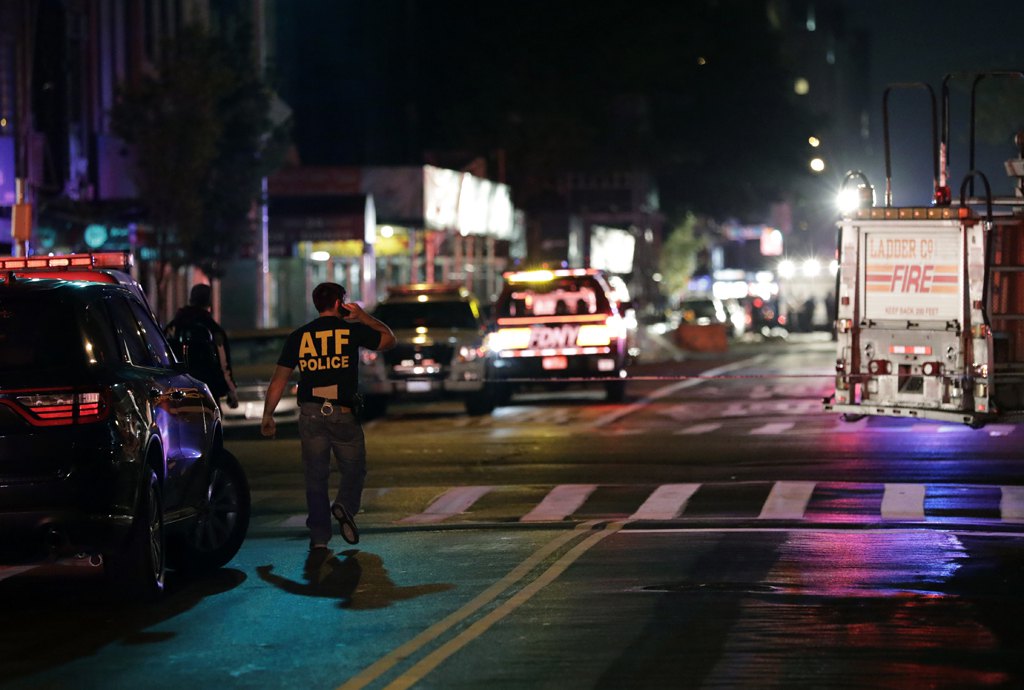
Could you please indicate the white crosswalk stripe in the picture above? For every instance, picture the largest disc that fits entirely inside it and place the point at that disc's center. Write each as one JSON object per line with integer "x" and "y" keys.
{"x": 560, "y": 503}
{"x": 787, "y": 501}
{"x": 667, "y": 501}
{"x": 705, "y": 428}
{"x": 783, "y": 500}
{"x": 903, "y": 502}
{"x": 772, "y": 429}
{"x": 1011, "y": 504}
{"x": 453, "y": 502}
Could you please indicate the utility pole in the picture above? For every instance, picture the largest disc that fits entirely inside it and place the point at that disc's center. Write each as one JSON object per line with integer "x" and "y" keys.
{"x": 265, "y": 284}
{"x": 21, "y": 213}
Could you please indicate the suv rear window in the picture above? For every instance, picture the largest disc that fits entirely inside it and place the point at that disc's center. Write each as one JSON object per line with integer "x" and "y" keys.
{"x": 562, "y": 296}
{"x": 406, "y": 315}
{"x": 37, "y": 333}
{"x": 701, "y": 308}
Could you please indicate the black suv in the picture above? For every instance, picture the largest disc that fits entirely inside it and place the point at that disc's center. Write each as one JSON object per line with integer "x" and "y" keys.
{"x": 108, "y": 448}
{"x": 561, "y": 326}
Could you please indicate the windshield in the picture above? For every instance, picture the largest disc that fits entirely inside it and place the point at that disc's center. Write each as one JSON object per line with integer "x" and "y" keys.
{"x": 563, "y": 296}
{"x": 409, "y": 315}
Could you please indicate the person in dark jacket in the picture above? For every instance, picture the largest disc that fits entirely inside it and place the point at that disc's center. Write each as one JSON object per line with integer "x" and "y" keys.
{"x": 200, "y": 342}
{"x": 326, "y": 352}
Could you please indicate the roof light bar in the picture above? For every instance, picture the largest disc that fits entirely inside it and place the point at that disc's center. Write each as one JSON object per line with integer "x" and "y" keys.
{"x": 121, "y": 261}
{"x": 909, "y": 213}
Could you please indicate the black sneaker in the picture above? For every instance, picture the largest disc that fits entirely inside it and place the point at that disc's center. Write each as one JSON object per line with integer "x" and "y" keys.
{"x": 349, "y": 531}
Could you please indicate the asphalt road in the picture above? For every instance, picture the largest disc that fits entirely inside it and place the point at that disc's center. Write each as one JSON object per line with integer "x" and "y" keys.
{"x": 717, "y": 530}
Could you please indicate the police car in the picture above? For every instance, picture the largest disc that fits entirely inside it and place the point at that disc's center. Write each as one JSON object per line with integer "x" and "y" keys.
{"x": 441, "y": 352}
{"x": 109, "y": 450}
{"x": 560, "y": 326}
{"x": 254, "y": 356}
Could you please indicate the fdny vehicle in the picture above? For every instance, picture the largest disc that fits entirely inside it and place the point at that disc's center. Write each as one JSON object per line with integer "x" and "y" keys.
{"x": 930, "y": 300}
{"x": 555, "y": 327}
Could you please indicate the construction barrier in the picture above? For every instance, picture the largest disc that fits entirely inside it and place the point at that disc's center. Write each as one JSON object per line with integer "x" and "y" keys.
{"x": 709, "y": 338}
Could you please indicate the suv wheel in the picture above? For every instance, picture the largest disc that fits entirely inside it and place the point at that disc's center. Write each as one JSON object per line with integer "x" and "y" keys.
{"x": 215, "y": 536}
{"x": 140, "y": 568}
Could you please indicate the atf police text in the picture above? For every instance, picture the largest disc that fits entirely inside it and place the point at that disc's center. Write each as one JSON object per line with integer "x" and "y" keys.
{"x": 322, "y": 350}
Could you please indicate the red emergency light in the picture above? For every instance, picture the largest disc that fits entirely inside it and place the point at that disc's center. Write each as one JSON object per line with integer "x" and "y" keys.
{"x": 121, "y": 261}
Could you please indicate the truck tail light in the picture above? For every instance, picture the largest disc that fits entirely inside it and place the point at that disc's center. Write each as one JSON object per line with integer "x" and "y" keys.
{"x": 879, "y": 367}
{"x": 60, "y": 407}
{"x": 910, "y": 350}
{"x": 601, "y": 334}
{"x": 844, "y": 325}
{"x": 509, "y": 339}
{"x": 931, "y": 368}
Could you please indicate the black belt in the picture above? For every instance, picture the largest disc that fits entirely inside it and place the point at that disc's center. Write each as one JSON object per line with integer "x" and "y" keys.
{"x": 327, "y": 405}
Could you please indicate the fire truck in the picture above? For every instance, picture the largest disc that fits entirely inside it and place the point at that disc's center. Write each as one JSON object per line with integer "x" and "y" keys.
{"x": 930, "y": 300}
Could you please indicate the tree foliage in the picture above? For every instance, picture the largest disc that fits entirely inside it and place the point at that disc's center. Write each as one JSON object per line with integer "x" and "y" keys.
{"x": 201, "y": 133}
{"x": 678, "y": 257}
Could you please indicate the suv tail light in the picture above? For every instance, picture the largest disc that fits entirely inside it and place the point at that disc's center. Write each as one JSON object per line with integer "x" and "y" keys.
{"x": 59, "y": 407}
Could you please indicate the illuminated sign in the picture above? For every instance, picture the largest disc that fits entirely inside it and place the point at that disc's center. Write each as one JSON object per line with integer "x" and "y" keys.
{"x": 912, "y": 275}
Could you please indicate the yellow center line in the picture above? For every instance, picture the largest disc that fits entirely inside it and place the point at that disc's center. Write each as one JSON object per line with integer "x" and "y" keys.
{"x": 419, "y": 670}
{"x": 397, "y": 655}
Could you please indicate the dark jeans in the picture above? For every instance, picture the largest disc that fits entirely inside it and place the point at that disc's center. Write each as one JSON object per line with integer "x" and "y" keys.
{"x": 340, "y": 433}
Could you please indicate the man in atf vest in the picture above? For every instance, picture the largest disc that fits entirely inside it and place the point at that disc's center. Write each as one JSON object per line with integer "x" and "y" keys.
{"x": 200, "y": 342}
{"x": 326, "y": 351}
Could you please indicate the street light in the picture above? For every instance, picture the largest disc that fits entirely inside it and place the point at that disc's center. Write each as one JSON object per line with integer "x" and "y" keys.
{"x": 850, "y": 198}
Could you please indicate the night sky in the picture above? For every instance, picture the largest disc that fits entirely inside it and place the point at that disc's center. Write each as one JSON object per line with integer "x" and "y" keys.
{"x": 917, "y": 40}
{"x": 562, "y": 85}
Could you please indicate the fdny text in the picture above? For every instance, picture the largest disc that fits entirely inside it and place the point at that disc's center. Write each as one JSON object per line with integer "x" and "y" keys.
{"x": 547, "y": 338}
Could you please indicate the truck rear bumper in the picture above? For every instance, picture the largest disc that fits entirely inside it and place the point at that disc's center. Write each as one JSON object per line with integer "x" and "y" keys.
{"x": 958, "y": 417}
